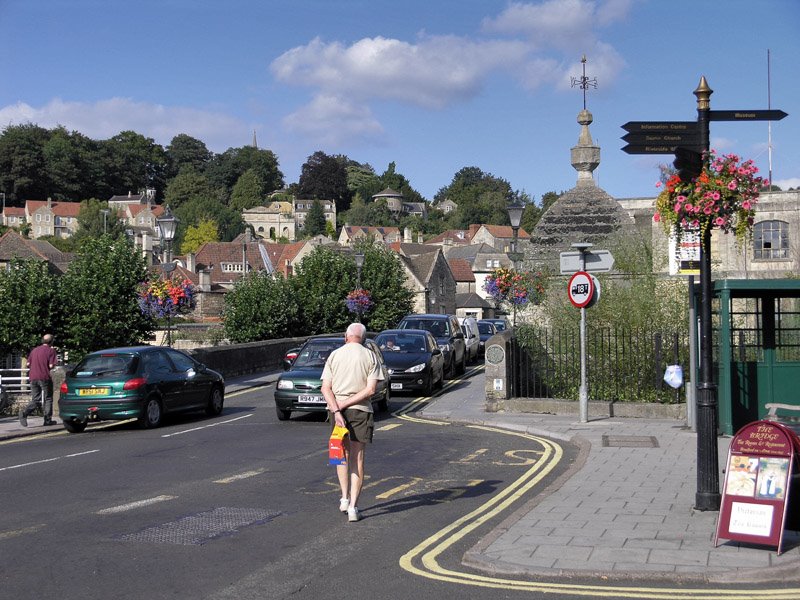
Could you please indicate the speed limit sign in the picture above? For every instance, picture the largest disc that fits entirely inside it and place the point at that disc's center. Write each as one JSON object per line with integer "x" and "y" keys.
{"x": 581, "y": 289}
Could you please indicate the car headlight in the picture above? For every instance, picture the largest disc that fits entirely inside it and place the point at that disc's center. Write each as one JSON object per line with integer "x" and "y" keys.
{"x": 444, "y": 347}
{"x": 416, "y": 368}
{"x": 285, "y": 384}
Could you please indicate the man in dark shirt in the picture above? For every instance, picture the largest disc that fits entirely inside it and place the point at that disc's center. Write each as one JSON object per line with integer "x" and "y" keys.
{"x": 40, "y": 361}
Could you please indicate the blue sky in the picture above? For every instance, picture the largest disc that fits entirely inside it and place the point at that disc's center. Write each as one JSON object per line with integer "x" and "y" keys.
{"x": 434, "y": 85}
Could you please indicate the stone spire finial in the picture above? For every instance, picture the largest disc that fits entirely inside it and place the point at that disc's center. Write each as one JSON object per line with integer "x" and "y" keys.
{"x": 585, "y": 156}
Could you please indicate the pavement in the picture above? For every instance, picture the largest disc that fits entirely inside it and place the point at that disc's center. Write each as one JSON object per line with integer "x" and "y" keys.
{"x": 623, "y": 511}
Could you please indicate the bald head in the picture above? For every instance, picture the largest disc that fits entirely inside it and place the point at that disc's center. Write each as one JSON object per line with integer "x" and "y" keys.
{"x": 47, "y": 339}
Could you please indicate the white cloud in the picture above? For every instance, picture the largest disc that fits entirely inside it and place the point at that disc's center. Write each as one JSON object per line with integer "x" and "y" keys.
{"x": 332, "y": 120}
{"x": 786, "y": 184}
{"x": 433, "y": 73}
{"x": 536, "y": 43}
{"x": 106, "y": 118}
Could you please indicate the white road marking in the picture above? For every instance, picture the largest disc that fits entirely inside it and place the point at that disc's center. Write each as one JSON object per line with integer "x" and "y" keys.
{"x": 206, "y": 426}
{"x": 47, "y": 460}
{"x": 245, "y": 475}
{"x": 133, "y": 505}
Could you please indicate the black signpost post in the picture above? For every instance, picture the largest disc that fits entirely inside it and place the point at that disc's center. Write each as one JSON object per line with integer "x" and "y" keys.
{"x": 685, "y": 139}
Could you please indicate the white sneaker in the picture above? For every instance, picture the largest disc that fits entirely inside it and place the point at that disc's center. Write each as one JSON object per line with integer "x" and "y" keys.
{"x": 353, "y": 515}
{"x": 344, "y": 504}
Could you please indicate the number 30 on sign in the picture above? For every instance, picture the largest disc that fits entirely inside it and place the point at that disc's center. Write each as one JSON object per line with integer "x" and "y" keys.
{"x": 583, "y": 290}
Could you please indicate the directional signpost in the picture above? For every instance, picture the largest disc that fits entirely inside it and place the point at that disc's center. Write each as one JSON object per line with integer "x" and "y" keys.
{"x": 746, "y": 115}
{"x": 591, "y": 261}
{"x": 685, "y": 137}
{"x": 660, "y": 137}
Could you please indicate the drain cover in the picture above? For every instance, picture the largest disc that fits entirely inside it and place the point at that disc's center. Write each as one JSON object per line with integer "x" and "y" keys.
{"x": 202, "y": 527}
{"x": 630, "y": 441}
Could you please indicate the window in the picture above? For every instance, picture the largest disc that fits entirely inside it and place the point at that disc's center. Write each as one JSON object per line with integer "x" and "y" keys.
{"x": 488, "y": 263}
{"x": 771, "y": 240}
{"x": 441, "y": 285}
{"x": 38, "y": 218}
{"x": 496, "y": 263}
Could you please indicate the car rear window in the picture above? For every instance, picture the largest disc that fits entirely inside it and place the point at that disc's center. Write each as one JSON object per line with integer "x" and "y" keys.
{"x": 314, "y": 354}
{"x": 485, "y": 327}
{"x": 97, "y": 365}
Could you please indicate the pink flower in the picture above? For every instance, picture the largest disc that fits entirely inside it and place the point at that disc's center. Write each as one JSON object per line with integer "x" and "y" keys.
{"x": 732, "y": 184}
{"x": 677, "y": 207}
{"x": 658, "y": 184}
{"x": 719, "y": 221}
{"x": 746, "y": 205}
{"x": 656, "y": 217}
{"x": 689, "y": 207}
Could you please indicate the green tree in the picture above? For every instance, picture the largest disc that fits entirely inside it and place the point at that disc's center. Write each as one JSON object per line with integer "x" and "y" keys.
{"x": 225, "y": 169}
{"x": 191, "y": 213}
{"x": 357, "y": 214}
{"x": 248, "y": 192}
{"x": 28, "y": 303}
{"x": 197, "y": 235}
{"x": 481, "y": 198}
{"x": 69, "y": 160}
{"x": 325, "y": 178}
{"x": 134, "y": 162}
{"x": 322, "y": 280}
{"x": 22, "y": 162}
{"x": 92, "y": 223}
{"x": 383, "y": 275}
{"x": 98, "y": 297}
{"x": 315, "y": 219}
{"x": 186, "y": 151}
{"x": 190, "y": 184}
{"x": 260, "y": 307}
{"x": 398, "y": 182}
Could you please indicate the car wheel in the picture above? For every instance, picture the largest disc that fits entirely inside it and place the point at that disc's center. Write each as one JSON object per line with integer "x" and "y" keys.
{"x": 152, "y": 414}
{"x": 215, "y": 402}
{"x": 75, "y": 426}
{"x": 283, "y": 415}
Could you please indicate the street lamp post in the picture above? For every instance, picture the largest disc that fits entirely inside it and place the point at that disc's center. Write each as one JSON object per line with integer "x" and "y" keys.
{"x": 515, "y": 216}
{"x": 105, "y": 212}
{"x": 168, "y": 224}
{"x": 359, "y": 258}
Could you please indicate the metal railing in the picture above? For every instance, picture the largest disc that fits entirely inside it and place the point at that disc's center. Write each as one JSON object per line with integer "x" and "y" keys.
{"x": 623, "y": 365}
{"x": 14, "y": 381}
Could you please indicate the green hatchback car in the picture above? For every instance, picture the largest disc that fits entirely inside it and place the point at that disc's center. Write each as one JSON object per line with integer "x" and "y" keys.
{"x": 143, "y": 382}
{"x": 300, "y": 387}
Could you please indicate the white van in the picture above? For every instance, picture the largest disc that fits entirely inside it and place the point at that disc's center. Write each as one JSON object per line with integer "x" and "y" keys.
{"x": 472, "y": 337}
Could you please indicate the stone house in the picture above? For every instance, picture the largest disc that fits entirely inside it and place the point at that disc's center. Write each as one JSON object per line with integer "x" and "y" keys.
{"x": 13, "y": 245}
{"x": 429, "y": 276}
{"x": 385, "y": 235}
{"x": 47, "y": 217}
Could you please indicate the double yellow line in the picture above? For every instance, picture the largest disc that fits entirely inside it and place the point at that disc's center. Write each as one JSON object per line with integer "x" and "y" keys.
{"x": 423, "y": 559}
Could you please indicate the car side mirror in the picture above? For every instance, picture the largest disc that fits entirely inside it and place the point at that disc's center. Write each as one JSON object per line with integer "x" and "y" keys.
{"x": 458, "y": 336}
{"x": 435, "y": 351}
{"x": 190, "y": 372}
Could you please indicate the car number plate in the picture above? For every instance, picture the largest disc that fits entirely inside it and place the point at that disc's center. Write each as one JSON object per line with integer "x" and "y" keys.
{"x": 311, "y": 399}
{"x": 101, "y": 391}
{"x": 397, "y": 386}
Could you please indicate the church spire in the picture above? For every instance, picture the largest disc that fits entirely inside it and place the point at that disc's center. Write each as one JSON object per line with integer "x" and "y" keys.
{"x": 255, "y": 143}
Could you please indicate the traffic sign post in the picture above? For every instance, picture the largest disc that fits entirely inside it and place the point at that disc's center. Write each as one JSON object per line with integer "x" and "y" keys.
{"x": 581, "y": 289}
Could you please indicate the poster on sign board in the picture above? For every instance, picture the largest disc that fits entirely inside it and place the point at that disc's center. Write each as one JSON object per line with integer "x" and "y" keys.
{"x": 755, "y": 495}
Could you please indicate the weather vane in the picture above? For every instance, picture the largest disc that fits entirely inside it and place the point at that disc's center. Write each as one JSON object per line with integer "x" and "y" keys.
{"x": 583, "y": 81}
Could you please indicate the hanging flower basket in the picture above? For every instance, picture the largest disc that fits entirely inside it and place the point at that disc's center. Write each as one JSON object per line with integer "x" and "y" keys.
{"x": 724, "y": 196}
{"x": 359, "y": 301}
{"x": 166, "y": 297}
{"x": 514, "y": 287}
